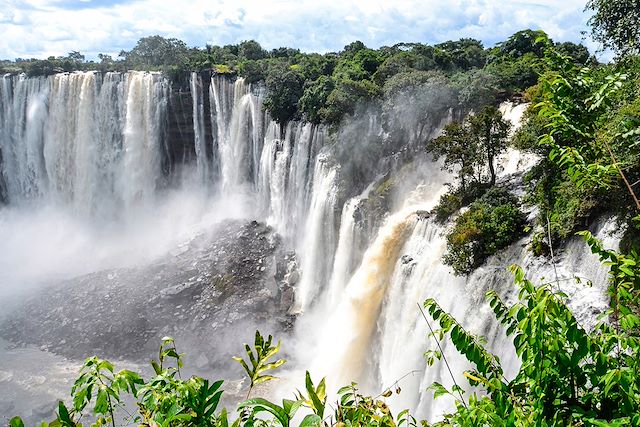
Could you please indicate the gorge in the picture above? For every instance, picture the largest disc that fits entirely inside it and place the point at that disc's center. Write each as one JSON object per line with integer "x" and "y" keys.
{"x": 132, "y": 190}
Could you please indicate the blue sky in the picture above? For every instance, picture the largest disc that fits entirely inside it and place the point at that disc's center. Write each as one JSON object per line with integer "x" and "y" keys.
{"x": 40, "y": 28}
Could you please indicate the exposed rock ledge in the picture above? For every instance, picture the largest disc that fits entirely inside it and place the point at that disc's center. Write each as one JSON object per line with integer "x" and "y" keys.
{"x": 216, "y": 288}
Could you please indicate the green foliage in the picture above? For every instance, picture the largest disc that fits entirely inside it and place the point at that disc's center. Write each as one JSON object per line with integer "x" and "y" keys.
{"x": 616, "y": 24}
{"x": 491, "y": 135}
{"x": 251, "y": 50}
{"x": 252, "y": 71}
{"x": 578, "y": 53}
{"x": 165, "y": 400}
{"x": 568, "y": 376}
{"x": 357, "y": 410}
{"x": 588, "y": 128}
{"x": 526, "y": 137}
{"x": 523, "y": 43}
{"x": 515, "y": 75}
{"x": 155, "y": 53}
{"x": 316, "y": 398}
{"x": 98, "y": 381}
{"x": 324, "y": 88}
{"x": 491, "y": 223}
{"x": 470, "y": 148}
{"x": 285, "y": 88}
{"x": 313, "y": 103}
{"x": 477, "y": 88}
{"x": 575, "y": 102}
{"x": 257, "y": 365}
{"x": 461, "y": 152}
{"x": 449, "y": 203}
{"x": 455, "y": 199}
{"x": 282, "y": 415}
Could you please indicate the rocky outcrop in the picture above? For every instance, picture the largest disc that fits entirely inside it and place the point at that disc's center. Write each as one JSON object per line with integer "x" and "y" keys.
{"x": 216, "y": 288}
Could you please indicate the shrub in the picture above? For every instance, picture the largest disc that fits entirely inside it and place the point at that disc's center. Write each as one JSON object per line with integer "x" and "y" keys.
{"x": 455, "y": 199}
{"x": 491, "y": 223}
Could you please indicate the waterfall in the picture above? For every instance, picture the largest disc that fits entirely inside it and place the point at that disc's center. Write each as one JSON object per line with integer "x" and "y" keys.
{"x": 318, "y": 244}
{"x": 94, "y": 143}
{"x": 23, "y": 118}
{"x": 343, "y": 263}
{"x": 200, "y": 143}
{"x": 348, "y": 334}
{"x": 513, "y": 160}
{"x": 370, "y": 330}
{"x": 141, "y": 158}
{"x": 83, "y": 139}
{"x": 274, "y": 175}
{"x": 240, "y": 147}
{"x": 373, "y": 332}
{"x": 348, "y": 252}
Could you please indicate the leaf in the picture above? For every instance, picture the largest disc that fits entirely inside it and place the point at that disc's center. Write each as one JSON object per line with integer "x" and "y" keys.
{"x": 16, "y": 422}
{"x": 102, "y": 402}
{"x": 438, "y": 390}
{"x": 259, "y": 404}
{"x": 63, "y": 415}
{"x": 311, "y": 420}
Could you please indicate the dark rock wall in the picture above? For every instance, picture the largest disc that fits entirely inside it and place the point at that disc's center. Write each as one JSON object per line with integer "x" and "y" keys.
{"x": 179, "y": 134}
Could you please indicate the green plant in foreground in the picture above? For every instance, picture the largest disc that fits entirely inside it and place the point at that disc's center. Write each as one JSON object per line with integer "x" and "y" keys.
{"x": 568, "y": 376}
{"x": 258, "y": 366}
{"x": 98, "y": 381}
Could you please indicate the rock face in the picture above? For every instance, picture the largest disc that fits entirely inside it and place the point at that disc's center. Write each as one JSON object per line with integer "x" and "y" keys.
{"x": 217, "y": 288}
{"x": 178, "y": 128}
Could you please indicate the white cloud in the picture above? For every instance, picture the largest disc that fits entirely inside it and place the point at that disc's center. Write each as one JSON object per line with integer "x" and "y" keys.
{"x": 40, "y": 28}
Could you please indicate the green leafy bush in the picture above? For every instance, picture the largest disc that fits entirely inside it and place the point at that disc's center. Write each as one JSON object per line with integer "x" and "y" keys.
{"x": 568, "y": 376}
{"x": 491, "y": 223}
{"x": 455, "y": 199}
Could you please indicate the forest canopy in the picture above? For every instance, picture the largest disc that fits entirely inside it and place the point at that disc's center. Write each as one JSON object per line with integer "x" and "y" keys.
{"x": 323, "y": 88}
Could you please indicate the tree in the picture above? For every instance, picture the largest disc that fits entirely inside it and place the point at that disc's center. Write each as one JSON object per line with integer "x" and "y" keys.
{"x": 459, "y": 150}
{"x": 314, "y": 100}
{"x": 155, "y": 52}
{"x": 106, "y": 62}
{"x": 491, "y": 223}
{"x": 523, "y": 42}
{"x": 472, "y": 146}
{"x": 616, "y": 24}
{"x": 476, "y": 88}
{"x": 251, "y": 50}
{"x": 75, "y": 56}
{"x": 285, "y": 87}
{"x": 578, "y": 52}
{"x": 284, "y": 52}
{"x": 464, "y": 53}
{"x": 491, "y": 133}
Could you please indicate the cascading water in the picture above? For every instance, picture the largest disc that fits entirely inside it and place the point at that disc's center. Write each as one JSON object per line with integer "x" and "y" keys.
{"x": 94, "y": 144}
{"x": 80, "y": 138}
{"x": 202, "y": 161}
{"x": 23, "y": 118}
{"x": 241, "y": 144}
{"x": 319, "y": 242}
{"x": 141, "y": 157}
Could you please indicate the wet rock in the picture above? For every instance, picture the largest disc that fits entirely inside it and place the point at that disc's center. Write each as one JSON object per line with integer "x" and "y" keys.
{"x": 201, "y": 361}
{"x": 214, "y": 284}
{"x": 423, "y": 215}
